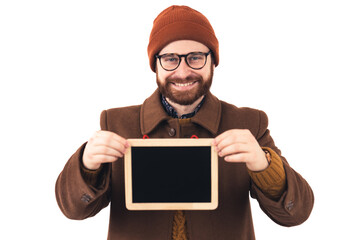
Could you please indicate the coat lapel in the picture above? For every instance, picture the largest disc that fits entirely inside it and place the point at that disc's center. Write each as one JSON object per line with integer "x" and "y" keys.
{"x": 152, "y": 113}
{"x": 209, "y": 114}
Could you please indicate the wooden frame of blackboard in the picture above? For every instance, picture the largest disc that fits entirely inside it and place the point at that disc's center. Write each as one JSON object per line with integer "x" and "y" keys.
{"x": 211, "y": 166}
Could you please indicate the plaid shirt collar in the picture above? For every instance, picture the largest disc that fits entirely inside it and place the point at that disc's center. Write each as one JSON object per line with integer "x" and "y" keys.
{"x": 172, "y": 112}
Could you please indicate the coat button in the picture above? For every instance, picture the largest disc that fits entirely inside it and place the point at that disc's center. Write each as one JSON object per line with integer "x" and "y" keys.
{"x": 172, "y": 132}
{"x": 85, "y": 198}
{"x": 290, "y": 205}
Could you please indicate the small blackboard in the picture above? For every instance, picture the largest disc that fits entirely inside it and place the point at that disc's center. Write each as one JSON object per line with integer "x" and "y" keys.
{"x": 171, "y": 174}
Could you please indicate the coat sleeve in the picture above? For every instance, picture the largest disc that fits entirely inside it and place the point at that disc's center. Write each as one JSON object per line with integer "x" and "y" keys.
{"x": 296, "y": 203}
{"x": 77, "y": 198}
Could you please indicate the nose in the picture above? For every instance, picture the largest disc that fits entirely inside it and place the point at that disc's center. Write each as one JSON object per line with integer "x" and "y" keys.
{"x": 183, "y": 69}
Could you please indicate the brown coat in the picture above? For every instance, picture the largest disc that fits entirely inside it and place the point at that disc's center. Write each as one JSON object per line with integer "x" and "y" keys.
{"x": 231, "y": 220}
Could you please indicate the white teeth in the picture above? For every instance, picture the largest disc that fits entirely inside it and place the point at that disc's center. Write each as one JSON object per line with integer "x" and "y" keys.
{"x": 183, "y": 84}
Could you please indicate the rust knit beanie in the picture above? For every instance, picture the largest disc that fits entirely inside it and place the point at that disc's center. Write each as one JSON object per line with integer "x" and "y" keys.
{"x": 181, "y": 23}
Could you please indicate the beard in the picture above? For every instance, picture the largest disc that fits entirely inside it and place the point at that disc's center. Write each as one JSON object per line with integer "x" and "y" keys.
{"x": 185, "y": 97}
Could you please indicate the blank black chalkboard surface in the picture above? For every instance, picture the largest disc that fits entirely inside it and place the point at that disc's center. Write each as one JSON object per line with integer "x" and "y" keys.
{"x": 171, "y": 174}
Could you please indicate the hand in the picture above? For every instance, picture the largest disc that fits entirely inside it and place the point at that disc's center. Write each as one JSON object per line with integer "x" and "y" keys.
{"x": 239, "y": 145}
{"x": 103, "y": 147}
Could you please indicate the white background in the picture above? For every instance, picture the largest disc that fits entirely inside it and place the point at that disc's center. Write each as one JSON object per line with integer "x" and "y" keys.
{"x": 63, "y": 62}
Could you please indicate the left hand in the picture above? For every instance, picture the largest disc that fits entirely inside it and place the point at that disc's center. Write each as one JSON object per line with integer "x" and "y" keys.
{"x": 239, "y": 145}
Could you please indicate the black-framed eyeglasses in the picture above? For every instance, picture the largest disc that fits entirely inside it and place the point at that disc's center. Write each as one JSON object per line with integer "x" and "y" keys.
{"x": 171, "y": 61}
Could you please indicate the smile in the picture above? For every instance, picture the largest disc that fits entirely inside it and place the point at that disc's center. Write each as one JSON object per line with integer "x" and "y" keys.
{"x": 183, "y": 84}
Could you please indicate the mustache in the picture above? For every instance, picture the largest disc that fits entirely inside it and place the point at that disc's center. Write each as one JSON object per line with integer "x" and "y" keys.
{"x": 190, "y": 78}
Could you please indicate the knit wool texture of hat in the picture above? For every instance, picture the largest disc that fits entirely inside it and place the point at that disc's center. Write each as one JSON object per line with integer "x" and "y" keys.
{"x": 181, "y": 23}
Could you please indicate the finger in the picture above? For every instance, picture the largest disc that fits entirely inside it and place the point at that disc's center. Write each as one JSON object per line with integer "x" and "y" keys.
{"x": 112, "y": 136}
{"x": 111, "y": 142}
{"x": 235, "y": 135}
{"x": 120, "y": 140}
{"x": 234, "y": 149}
{"x": 221, "y": 137}
{"x": 112, "y": 146}
{"x": 232, "y": 132}
{"x": 105, "y": 150}
{"x": 238, "y": 158}
{"x": 104, "y": 159}
{"x": 232, "y": 139}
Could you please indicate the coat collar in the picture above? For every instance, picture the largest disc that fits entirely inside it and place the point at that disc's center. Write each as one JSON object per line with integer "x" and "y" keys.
{"x": 152, "y": 113}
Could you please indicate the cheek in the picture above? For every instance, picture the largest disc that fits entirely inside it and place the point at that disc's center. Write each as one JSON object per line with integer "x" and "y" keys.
{"x": 161, "y": 78}
{"x": 205, "y": 75}
{"x": 209, "y": 72}
{"x": 162, "y": 74}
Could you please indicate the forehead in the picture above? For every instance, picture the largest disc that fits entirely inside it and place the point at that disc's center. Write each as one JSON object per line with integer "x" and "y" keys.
{"x": 184, "y": 47}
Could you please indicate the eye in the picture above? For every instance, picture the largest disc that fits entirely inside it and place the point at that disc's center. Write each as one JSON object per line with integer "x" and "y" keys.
{"x": 170, "y": 58}
{"x": 195, "y": 57}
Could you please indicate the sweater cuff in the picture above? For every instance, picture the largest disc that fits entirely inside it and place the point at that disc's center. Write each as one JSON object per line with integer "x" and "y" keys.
{"x": 272, "y": 180}
{"x": 91, "y": 177}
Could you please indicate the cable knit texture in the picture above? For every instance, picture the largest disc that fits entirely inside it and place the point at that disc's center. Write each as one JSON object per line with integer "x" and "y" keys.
{"x": 179, "y": 226}
{"x": 271, "y": 181}
{"x": 92, "y": 177}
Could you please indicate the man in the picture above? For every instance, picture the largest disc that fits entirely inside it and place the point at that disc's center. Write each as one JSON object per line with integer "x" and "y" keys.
{"x": 183, "y": 51}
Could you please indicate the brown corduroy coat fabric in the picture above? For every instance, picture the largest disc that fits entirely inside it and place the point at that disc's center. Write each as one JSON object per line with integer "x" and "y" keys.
{"x": 231, "y": 220}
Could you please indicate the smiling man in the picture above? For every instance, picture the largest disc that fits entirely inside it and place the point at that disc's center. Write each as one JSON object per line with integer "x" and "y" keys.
{"x": 183, "y": 52}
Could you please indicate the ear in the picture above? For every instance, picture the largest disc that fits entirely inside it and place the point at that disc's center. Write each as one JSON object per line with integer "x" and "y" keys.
{"x": 212, "y": 61}
{"x": 156, "y": 65}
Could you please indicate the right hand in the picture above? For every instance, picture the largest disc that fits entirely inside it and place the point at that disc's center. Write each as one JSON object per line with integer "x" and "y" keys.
{"x": 103, "y": 147}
